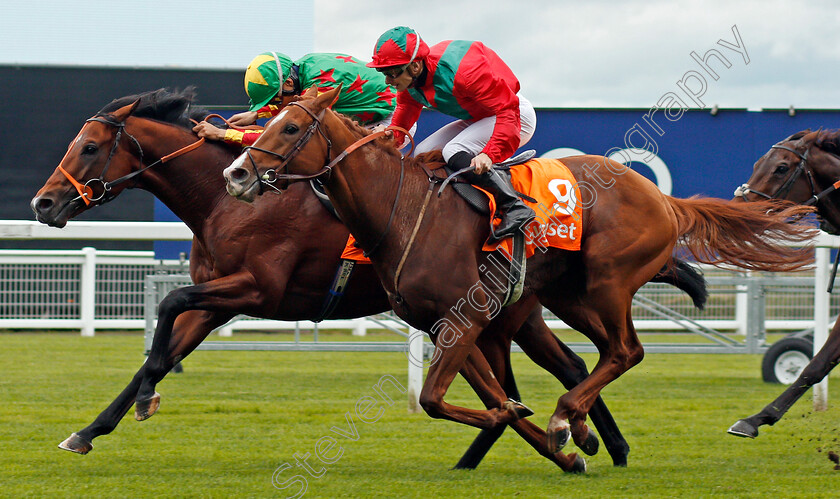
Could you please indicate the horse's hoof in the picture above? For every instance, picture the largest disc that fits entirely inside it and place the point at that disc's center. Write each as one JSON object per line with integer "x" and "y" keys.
{"x": 579, "y": 466}
{"x": 619, "y": 455}
{"x": 77, "y": 444}
{"x": 558, "y": 439}
{"x": 743, "y": 429}
{"x": 144, "y": 409}
{"x": 590, "y": 445}
{"x": 519, "y": 409}
{"x": 620, "y": 461}
{"x": 522, "y": 410}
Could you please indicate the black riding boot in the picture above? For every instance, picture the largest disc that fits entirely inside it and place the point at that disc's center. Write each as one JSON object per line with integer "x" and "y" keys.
{"x": 513, "y": 212}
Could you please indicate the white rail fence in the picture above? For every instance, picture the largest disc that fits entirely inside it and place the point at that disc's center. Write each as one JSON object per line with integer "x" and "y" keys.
{"x": 87, "y": 289}
{"x": 91, "y": 289}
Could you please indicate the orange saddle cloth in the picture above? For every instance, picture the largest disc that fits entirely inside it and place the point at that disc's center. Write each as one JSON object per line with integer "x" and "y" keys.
{"x": 558, "y": 208}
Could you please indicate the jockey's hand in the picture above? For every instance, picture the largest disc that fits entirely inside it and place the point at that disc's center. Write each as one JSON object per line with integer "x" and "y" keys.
{"x": 482, "y": 163}
{"x": 208, "y": 131}
{"x": 382, "y": 128}
{"x": 243, "y": 119}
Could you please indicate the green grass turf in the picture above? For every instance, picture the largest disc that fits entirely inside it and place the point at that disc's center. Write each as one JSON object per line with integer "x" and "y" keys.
{"x": 229, "y": 421}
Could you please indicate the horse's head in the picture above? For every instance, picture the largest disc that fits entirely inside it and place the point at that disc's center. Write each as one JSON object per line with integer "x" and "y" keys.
{"x": 285, "y": 152}
{"x": 803, "y": 169}
{"x": 101, "y": 150}
{"x": 105, "y": 155}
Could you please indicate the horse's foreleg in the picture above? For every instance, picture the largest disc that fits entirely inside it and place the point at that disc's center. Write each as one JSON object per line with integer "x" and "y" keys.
{"x": 497, "y": 354}
{"x": 454, "y": 343}
{"x": 819, "y": 367}
{"x": 190, "y": 330}
{"x": 227, "y": 295}
{"x": 541, "y": 346}
{"x": 487, "y": 437}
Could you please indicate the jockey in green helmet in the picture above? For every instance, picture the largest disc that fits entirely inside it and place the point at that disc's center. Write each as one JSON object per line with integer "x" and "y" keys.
{"x": 273, "y": 79}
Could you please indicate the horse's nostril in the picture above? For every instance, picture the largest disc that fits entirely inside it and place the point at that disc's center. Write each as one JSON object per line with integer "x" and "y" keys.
{"x": 239, "y": 174}
{"x": 43, "y": 205}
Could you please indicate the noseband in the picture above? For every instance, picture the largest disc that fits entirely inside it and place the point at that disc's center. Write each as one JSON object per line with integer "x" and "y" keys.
{"x": 85, "y": 190}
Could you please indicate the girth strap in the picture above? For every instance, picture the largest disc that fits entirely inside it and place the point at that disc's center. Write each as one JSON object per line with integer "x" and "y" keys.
{"x": 337, "y": 289}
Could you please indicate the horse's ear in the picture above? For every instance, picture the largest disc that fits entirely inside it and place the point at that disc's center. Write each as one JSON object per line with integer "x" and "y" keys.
{"x": 330, "y": 97}
{"x": 337, "y": 95}
{"x": 124, "y": 112}
{"x": 311, "y": 92}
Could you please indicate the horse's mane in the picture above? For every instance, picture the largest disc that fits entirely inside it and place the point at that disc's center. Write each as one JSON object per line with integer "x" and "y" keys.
{"x": 829, "y": 141}
{"x": 798, "y": 135}
{"x": 432, "y": 159}
{"x": 171, "y": 106}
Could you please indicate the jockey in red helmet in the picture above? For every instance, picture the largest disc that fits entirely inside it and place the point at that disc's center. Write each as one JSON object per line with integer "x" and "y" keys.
{"x": 466, "y": 80}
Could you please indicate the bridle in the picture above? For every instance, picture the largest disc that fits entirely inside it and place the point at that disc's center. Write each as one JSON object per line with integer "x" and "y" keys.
{"x": 86, "y": 191}
{"x": 271, "y": 175}
{"x": 785, "y": 188}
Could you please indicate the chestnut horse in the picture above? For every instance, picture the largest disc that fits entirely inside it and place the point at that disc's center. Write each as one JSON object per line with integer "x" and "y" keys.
{"x": 274, "y": 259}
{"x": 803, "y": 168}
{"x": 426, "y": 248}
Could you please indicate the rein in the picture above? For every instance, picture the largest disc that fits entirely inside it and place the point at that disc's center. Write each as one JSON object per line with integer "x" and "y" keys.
{"x": 85, "y": 190}
{"x": 271, "y": 176}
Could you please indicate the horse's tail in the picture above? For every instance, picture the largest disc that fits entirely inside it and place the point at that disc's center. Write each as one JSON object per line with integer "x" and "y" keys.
{"x": 754, "y": 236}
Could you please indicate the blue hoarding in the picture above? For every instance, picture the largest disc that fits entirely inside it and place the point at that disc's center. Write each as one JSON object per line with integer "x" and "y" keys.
{"x": 685, "y": 152}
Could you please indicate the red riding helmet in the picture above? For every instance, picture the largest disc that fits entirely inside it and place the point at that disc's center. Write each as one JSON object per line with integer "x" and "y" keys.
{"x": 397, "y": 46}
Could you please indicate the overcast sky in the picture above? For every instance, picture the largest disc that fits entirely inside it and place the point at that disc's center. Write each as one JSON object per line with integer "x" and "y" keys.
{"x": 621, "y": 53}
{"x": 603, "y": 53}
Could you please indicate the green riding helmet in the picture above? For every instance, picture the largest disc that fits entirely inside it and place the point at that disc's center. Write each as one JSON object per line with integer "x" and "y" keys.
{"x": 265, "y": 76}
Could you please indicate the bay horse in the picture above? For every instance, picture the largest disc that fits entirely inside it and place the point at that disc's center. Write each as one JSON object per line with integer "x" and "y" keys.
{"x": 274, "y": 259}
{"x": 803, "y": 168}
{"x": 426, "y": 248}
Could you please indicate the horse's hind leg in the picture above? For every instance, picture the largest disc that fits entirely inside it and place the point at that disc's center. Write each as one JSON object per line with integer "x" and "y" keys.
{"x": 539, "y": 343}
{"x": 189, "y": 331}
{"x": 819, "y": 367}
{"x": 603, "y": 315}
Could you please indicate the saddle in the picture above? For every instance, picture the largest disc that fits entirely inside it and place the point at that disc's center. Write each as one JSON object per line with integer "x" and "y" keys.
{"x": 476, "y": 198}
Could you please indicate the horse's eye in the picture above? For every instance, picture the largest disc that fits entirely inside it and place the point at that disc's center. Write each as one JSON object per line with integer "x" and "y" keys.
{"x": 291, "y": 129}
{"x": 781, "y": 170}
{"x": 89, "y": 149}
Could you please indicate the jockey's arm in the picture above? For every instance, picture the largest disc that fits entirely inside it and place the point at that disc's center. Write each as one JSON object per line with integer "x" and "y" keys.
{"x": 229, "y": 136}
{"x": 405, "y": 115}
{"x": 242, "y": 137}
{"x": 495, "y": 95}
{"x": 243, "y": 119}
